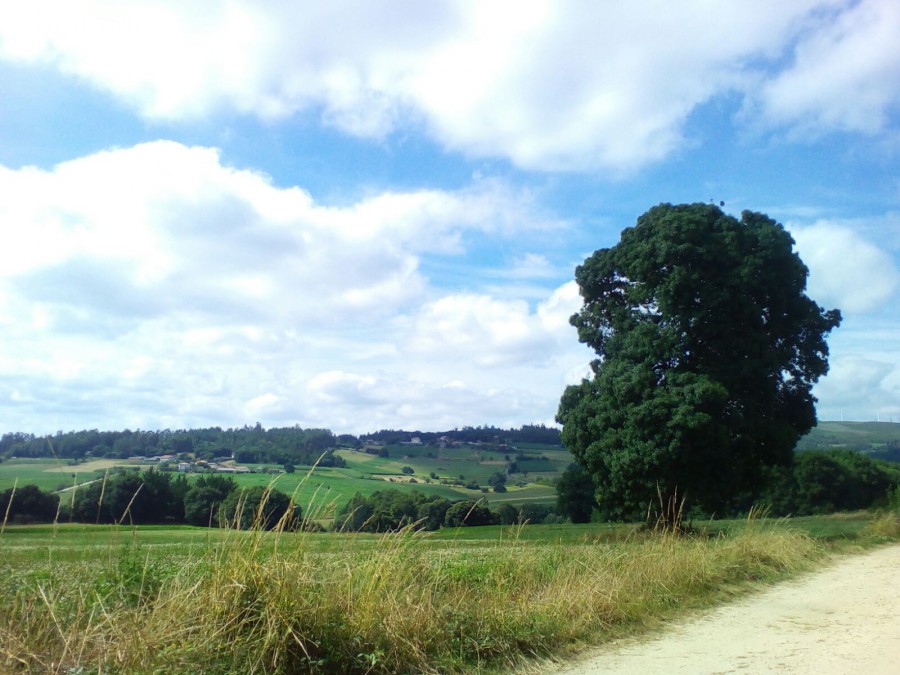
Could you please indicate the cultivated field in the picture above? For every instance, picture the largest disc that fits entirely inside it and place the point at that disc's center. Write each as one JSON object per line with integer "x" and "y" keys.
{"x": 325, "y": 489}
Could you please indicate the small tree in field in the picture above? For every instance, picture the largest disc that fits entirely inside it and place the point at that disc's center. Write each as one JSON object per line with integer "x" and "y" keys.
{"x": 707, "y": 347}
{"x": 575, "y": 494}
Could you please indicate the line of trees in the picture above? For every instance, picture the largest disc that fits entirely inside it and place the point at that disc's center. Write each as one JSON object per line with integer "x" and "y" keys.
{"x": 528, "y": 433}
{"x": 815, "y": 482}
{"x": 248, "y": 444}
{"x": 392, "y": 510}
{"x": 829, "y": 481}
{"x": 154, "y": 497}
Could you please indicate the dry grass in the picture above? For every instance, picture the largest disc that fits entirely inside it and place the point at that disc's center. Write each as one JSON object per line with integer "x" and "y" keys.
{"x": 271, "y": 603}
{"x": 885, "y": 526}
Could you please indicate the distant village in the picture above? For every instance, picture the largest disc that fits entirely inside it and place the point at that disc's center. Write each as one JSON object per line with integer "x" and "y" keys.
{"x": 180, "y": 462}
{"x": 168, "y": 462}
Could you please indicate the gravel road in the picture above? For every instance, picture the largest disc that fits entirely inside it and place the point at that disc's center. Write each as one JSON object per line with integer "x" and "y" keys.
{"x": 841, "y": 620}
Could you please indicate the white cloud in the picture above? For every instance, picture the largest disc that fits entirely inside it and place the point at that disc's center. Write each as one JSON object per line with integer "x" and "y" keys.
{"x": 551, "y": 85}
{"x": 488, "y": 332}
{"x": 530, "y": 266}
{"x": 155, "y": 287}
{"x": 861, "y": 387}
{"x": 846, "y": 270}
{"x": 361, "y": 403}
{"x": 843, "y": 75}
{"x": 161, "y": 228}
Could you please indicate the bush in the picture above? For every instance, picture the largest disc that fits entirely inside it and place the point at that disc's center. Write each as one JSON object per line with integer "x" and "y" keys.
{"x": 824, "y": 482}
{"x": 468, "y": 513}
{"x": 259, "y": 508}
{"x": 29, "y": 505}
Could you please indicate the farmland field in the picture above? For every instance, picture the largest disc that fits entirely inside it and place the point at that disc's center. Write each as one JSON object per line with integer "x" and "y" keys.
{"x": 323, "y": 490}
{"x": 52, "y": 474}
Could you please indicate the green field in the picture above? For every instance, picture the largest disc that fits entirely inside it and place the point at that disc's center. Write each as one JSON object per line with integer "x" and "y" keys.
{"x": 84, "y": 598}
{"x": 323, "y": 490}
{"x": 51, "y": 474}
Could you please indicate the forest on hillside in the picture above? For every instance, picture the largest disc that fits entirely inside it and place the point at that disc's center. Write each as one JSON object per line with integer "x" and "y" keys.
{"x": 248, "y": 444}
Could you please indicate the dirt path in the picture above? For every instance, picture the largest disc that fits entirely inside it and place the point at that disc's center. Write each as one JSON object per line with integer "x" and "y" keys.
{"x": 844, "y": 619}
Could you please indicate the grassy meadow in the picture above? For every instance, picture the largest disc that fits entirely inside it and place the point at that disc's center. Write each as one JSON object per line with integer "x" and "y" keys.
{"x": 109, "y": 599}
{"x": 52, "y": 474}
{"x": 179, "y": 599}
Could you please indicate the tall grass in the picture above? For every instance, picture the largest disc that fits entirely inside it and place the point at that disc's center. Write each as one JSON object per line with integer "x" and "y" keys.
{"x": 280, "y": 602}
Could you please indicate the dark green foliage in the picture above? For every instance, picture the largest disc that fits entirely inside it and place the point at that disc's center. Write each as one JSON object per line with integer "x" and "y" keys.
{"x": 248, "y": 444}
{"x": 129, "y": 497}
{"x": 134, "y": 581}
{"x": 469, "y": 514}
{"x": 497, "y": 478}
{"x": 201, "y": 506}
{"x": 259, "y": 508}
{"x": 354, "y": 515}
{"x": 528, "y": 433}
{"x": 825, "y": 482}
{"x": 150, "y": 497}
{"x": 431, "y": 514}
{"x": 575, "y": 492}
{"x": 29, "y": 505}
{"x": 408, "y": 470}
{"x": 506, "y": 514}
{"x": 707, "y": 347}
{"x": 535, "y": 513}
{"x": 391, "y": 510}
{"x": 202, "y": 501}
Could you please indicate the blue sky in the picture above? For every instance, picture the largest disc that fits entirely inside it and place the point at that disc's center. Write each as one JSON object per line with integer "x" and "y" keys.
{"x": 367, "y": 215}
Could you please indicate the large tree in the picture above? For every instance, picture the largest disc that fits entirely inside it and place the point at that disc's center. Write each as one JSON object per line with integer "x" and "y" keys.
{"x": 708, "y": 348}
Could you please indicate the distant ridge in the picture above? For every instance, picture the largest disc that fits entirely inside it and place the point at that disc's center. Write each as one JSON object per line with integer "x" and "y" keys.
{"x": 878, "y": 439}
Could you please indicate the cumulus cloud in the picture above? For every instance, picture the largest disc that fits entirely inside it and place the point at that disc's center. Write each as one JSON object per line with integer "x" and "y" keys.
{"x": 364, "y": 402}
{"x": 488, "y": 332}
{"x": 491, "y": 332}
{"x": 846, "y": 270}
{"x": 862, "y": 387}
{"x": 162, "y": 227}
{"x": 551, "y": 85}
{"x": 156, "y": 286}
{"x": 843, "y": 74}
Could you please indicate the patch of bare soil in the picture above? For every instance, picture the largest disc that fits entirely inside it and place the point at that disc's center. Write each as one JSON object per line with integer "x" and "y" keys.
{"x": 843, "y": 619}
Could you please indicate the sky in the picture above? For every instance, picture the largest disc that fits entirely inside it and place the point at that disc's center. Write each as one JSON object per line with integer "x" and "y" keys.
{"x": 367, "y": 215}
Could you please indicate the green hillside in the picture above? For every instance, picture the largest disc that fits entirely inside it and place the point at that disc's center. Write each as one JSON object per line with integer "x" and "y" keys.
{"x": 454, "y": 470}
{"x": 880, "y": 439}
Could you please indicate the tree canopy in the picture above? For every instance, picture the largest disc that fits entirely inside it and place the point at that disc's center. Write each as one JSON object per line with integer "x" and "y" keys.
{"x": 708, "y": 348}
{"x": 575, "y": 494}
